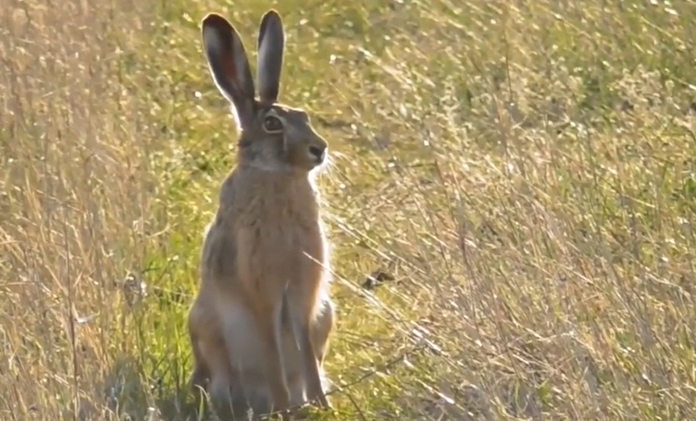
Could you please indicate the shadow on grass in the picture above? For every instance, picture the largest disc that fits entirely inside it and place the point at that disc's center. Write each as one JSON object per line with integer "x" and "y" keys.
{"x": 132, "y": 392}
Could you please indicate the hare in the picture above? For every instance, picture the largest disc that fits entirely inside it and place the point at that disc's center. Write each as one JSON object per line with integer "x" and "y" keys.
{"x": 260, "y": 324}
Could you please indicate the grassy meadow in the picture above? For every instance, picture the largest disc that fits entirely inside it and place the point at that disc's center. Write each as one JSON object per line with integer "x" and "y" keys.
{"x": 511, "y": 201}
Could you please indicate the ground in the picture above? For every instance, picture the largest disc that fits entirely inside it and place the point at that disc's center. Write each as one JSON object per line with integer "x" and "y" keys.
{"x": 511, "y": 202}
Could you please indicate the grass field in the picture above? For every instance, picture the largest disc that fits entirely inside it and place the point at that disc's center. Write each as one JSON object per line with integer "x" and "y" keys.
{"x": 521, "y": 175}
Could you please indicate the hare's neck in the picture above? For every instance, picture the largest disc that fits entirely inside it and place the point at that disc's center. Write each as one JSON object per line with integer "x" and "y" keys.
{"x": 292, "y": 191}
{"x": 297, "y": 191}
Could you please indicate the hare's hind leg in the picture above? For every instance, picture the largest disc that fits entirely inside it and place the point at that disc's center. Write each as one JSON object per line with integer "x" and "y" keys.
{"x": 322, "y": 327}
{"x": 321, "y": 330}
{"x": 315, "y": 388}
{"x": 211, "y": 370}
{"x": 311, "y": 337}
{"x": 200, "y": 376}
{"x": 201, "y": 372}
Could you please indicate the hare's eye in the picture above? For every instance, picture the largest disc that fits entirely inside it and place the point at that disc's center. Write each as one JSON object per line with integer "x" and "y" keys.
{"x": 272, "y": 124}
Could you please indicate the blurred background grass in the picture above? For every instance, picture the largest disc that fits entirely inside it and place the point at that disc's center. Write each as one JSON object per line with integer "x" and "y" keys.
{"x": 511, "y": 203}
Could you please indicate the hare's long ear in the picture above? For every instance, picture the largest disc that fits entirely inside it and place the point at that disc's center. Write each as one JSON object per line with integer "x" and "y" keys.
{"x": 229, "y": 65}
{"x": 270, "y": 59}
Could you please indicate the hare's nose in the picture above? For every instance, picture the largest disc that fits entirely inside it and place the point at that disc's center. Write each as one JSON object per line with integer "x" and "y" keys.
{"x": 318, "y": 152}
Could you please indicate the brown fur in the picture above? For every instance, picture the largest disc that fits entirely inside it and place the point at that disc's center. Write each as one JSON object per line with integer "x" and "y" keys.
{"x": 260, "y": 324}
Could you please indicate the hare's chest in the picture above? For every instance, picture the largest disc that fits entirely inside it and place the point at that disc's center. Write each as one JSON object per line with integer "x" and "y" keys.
{"x": 270, "y": 249}
{"x": 299, "y": 244}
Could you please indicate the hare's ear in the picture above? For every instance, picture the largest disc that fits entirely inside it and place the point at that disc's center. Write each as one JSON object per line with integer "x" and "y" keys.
{"x": 229, "y": 66}
{"x": 270, "y": 59}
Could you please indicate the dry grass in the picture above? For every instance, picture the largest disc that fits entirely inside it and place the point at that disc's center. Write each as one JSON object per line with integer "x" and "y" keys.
{"x": 524, "y": 171}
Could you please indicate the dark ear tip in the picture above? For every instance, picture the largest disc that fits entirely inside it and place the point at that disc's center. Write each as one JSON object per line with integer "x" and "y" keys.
{"x": 215, "y": 20}
{"x": 271, "y": 14}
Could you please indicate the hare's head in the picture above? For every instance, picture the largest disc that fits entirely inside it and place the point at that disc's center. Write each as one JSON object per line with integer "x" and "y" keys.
{"x": 273, "y": 136}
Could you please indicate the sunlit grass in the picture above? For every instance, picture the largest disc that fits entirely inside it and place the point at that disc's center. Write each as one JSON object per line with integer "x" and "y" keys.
{"x": 523, "y": 172}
